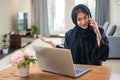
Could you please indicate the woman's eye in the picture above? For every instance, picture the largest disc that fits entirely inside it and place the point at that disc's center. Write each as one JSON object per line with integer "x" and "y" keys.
{"x": 78, "y": 19}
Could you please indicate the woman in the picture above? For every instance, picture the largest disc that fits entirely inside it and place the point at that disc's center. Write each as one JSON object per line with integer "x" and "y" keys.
{"x": 87, "y": 42}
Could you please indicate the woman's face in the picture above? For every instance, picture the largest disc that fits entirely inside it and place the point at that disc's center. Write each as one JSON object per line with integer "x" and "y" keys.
{"x": 82, "y": 20}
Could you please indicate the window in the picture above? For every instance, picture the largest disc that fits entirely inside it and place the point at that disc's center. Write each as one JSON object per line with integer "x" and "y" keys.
{"x": 56, "y": 15}
{"x": 59, "y": 14}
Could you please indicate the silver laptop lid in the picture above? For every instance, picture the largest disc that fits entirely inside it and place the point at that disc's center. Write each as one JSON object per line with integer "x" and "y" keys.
{"x": 55, "y": 60}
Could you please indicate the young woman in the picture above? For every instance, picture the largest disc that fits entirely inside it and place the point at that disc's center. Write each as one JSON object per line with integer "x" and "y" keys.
{"x": 87, "y": 42}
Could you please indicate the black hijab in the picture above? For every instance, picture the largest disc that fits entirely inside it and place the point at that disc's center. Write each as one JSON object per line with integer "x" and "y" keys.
{"x": 79, "y": 7}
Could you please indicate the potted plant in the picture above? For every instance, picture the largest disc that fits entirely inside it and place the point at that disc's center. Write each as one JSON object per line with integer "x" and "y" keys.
{"x": 35, "y": 31}
{"x": 5, "y": 41}
{"x": 22, "y": 59}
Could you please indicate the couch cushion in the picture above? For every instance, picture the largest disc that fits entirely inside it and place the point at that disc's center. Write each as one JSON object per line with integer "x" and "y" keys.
{"x": 105, "y": 26}
{"x": 111, "y": 29}
{"x": 117, "y": 32}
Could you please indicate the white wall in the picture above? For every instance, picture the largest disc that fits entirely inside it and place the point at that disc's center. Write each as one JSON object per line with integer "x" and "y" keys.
{"x": 114, "y": 13}
{"x": 70, "y": 5}
{"x": 8, "y": 14}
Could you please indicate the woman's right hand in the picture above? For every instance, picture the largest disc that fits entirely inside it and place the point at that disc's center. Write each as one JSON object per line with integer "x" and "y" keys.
{"x": 46, "y": 40}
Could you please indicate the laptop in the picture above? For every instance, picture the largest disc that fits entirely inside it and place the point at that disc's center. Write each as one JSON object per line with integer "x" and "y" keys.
{"x": 57, "y": 60}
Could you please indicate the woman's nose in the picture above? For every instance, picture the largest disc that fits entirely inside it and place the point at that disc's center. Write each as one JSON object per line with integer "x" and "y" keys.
{"x": 82, "y": 22}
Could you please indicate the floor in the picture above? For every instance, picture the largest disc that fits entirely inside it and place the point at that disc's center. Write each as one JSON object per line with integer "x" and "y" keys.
{"x": 114, "y": 63}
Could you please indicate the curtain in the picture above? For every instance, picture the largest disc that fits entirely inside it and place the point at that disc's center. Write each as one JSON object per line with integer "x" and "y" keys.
{"x": 40, "y": 16}
{"x": 102, "y": 12}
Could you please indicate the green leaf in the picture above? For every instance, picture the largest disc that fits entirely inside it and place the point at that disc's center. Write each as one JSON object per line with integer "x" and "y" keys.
{"x": 35, "y": 29}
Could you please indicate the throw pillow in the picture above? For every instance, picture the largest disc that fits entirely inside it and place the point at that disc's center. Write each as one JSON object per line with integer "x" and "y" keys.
{"x": 111, "y": 29}
{"x": 105, "y": 26}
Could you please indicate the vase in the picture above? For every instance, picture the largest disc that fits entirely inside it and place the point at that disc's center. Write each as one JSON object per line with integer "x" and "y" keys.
{"x": 5, "y": 51}
{"x": 23, "y": 71}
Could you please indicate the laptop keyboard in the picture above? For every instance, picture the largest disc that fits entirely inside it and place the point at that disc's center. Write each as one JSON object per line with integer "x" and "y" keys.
{"x": 79, "y": 69}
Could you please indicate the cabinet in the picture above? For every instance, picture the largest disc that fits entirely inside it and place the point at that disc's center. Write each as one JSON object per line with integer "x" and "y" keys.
{"x": 17, "y": 41}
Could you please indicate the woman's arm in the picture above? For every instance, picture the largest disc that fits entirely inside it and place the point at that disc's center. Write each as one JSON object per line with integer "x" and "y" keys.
{"x": 103, "y": 49}
{"x": 96, "y": 30}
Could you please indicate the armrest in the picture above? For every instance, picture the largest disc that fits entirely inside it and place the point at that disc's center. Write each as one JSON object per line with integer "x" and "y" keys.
{"x": 114, "y": 44}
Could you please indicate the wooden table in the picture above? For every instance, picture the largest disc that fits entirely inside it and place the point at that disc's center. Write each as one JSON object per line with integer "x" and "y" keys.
{"x": 97, "y": 73}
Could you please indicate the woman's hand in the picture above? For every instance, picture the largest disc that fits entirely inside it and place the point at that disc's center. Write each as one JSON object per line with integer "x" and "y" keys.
{"x": 96, "y": 30}
{"x": 46, "y": 40}
{"x": 93, "y": 25}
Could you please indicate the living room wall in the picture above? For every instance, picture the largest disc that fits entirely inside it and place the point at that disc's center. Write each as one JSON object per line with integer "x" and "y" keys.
{"x": 114, "y": 12}
{"x": 8, "y": 15}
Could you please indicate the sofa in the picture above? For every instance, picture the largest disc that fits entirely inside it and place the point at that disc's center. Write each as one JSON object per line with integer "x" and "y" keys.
{"x": 113, "y": 34}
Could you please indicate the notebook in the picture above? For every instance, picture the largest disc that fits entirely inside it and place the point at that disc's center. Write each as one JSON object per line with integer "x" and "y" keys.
{"x": 57, "y": 60}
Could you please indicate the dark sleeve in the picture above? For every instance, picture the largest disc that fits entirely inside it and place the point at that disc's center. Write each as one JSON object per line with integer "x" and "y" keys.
{"x": 67, "y": 39}
{"x": 66, "y": 42}
{"x": 103, "y": 50}
{"x": 59, "y": 46}
{"x": 65, "y": 45}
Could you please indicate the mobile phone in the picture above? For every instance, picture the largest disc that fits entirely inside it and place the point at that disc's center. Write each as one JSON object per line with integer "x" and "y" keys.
{"x": 89, "y": 20}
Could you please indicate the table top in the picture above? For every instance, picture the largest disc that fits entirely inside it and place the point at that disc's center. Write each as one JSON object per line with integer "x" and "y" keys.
{"x": 96, "y": 73}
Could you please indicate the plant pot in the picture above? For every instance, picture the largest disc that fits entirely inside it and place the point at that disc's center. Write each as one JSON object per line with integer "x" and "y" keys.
{"x": 35, "y": 36}
{"x": 23, "y": 71}
{"x": 5, "y": 50}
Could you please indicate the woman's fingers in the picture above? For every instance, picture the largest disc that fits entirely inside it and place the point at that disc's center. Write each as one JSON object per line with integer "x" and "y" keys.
{"x": 41, "y": 37}
{"x": 92, "y": 22}
{"x": 44, "y": 39}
